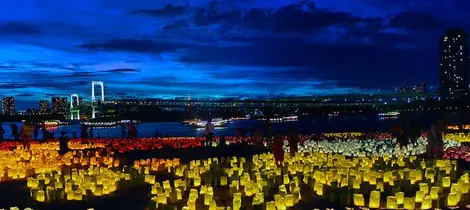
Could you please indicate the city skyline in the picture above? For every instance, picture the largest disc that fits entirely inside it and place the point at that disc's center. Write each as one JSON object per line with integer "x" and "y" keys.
{"x": 220, "y": 49}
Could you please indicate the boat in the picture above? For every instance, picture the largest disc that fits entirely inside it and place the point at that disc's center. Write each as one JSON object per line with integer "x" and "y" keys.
{"x": 100, "y": 124}
{"x": 217, "y": 122}
{"x": 52, "y": 124}
{"x": 333, "y": 114}
{"x": 283, "y": 119}
{"x": 389, "y": 114}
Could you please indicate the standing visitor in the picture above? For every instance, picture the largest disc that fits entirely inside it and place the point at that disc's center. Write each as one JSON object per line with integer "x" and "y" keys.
{"x": 257, "y": 137}
{"x": 2, "y": 131}
{"x": 45, "y": 134}
{"x": 14, "y": 131}
{"x": 157, "y": 134}
{"x": 83, "y": 132}
{"x": 278, "y": 151}
{"x": 123, "y": 130}
{"x": 209, "y": 127}
{"x": 36, "y": 131}
{"x": 435, "y": 141}
{"x": 26, "y": 132}
{"x": 132, "y": 131}
{"x": 91, "y": 132}
{"x": 293, "y": 142}
{"x": 63, "y": 143}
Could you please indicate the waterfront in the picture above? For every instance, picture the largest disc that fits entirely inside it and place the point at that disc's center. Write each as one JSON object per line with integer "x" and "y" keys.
{"x": 306, "y": 125}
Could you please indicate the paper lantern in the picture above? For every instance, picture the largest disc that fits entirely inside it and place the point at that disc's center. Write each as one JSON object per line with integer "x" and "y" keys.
{"x": 446, "y": 181}
{"x": 400, "y": 196}
{"x": 419, "y": 196}
{"x": 434, "y": 193}
{"x": 454, "y": 188}
{"x": 358, "y": 200}
{"x": 427, "y": 203}
{"x": 374, "y": 199}
{"x": 409, "y": 203}
{"x": 424, "y": 188}
{"x": 453, "y": 199}
{"x": 271, "y": 205}
{"x": 392, "y": 202}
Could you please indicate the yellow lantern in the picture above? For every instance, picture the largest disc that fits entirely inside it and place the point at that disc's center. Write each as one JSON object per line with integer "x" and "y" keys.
{"x": 409, "y": 203}
{"x": 374, "y": 199}
{"x": 427, "y": 203}
{"x": 400, "y": 196}
{"x": 392, "y": 202}
{"x": 358, "y": 200}
{"x": 434, "y": 193}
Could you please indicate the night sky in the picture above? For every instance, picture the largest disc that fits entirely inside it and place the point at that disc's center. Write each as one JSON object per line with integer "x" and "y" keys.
{"x": 156, "y": 48}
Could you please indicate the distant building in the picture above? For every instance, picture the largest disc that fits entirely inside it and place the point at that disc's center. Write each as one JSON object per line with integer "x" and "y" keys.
{"x": 8, "y": 106}
{"x": 60, "y": 105}
{"x": 43, "y": 106}
{"x": 454, "y": 68}
{"x": 422, "y": 88}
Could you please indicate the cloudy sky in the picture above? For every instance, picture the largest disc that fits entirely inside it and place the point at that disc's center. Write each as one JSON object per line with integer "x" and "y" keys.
{"x": 160, "y": 48}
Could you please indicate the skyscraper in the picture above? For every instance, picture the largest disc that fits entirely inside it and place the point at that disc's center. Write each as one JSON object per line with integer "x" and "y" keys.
{"x": 43, "y": 106}
{"x": 8, "y": 106}
{"x": 59, "y": 105}
{"x": 454, "y": 69}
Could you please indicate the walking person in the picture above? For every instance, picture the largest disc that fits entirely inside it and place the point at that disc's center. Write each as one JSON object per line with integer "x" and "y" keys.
{"x": 2, "y": 132}
{"x": 91, "y": 132}
{"x": 435, "y": 141}
{"x": 45, "y": 133}
{"x": 63, "y": 143}
{"x": 26, "y": 132}
{"x": 36, "y": 131}
{"x": 123, "y": 131}
{"x": 14, "y": 131}
{"x": 209, "y": 127}
{"x": 278, "y": 151}
{"x": 293, "y": 142}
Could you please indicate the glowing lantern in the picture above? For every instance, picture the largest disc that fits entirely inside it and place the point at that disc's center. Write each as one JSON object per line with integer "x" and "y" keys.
{"x": 358, "y": 200}
{"x": 392, "y": 202}
{"x": 446, "y": 181}
{"x": 427, "y": 203}
{"x": 434, "y": 193}
{"x": 453, "y": 199}
{"x": 400, "y": 196}
{"x": 374, "y": 199}
{"x": 409, "y": 203}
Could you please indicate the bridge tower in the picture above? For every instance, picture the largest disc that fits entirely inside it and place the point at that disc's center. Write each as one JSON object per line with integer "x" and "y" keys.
{"x": 72, "y": 112}
{"x": 93, "y": 100}
{"x": 189, "y": 106}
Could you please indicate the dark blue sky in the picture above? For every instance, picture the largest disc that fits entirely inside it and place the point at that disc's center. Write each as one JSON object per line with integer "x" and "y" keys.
{"x": 228, "y": 48}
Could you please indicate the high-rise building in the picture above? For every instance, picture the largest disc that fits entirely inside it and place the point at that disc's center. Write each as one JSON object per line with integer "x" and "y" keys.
{"x": 8, "y": 106}
{"x": 454, "y": 69}
{"x": 60, "y": 105}
{"x": 43, "y": 106}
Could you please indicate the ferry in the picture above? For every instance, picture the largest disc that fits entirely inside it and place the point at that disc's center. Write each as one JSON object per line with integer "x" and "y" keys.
{"x": 283, "y": 119}
{"x": 217, "y": 122}
{"x": 108, "y": 124}
{"x": 333, "y": 114}
{"x": 52, "y": 124}
{"x": 389, "y": 114}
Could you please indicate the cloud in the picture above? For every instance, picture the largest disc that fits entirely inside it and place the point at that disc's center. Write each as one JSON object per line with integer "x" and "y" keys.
{"x": 24, "y": 95}
{"x": 167, "y": 11}
{"x": 132, "y": 45}
{"x": 18, "y": 28}
{"x": 123, "y": 70}
{"x": 414, "y": 20}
